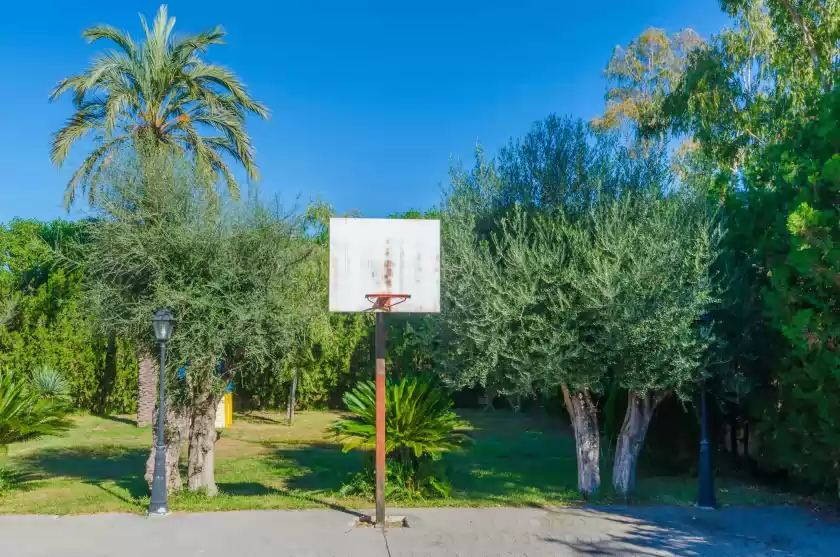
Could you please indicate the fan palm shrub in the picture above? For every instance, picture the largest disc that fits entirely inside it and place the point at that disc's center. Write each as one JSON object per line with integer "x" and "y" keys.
{"x": 420, "y": 426}
{"x": 25, "y": 413}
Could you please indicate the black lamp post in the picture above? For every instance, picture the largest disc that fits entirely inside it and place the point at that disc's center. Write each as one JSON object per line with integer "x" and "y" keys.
{"x": 163, "y": 323}
{"x": 706, "y": 483}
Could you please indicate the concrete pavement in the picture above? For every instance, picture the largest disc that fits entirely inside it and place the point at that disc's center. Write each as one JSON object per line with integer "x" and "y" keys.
{"x": 602, "y": 531}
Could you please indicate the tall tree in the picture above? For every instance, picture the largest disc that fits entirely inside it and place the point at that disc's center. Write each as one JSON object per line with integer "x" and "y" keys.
{"x": 515, "y": 297}
{"x": 657, "y": 257}
{"x": 161, "y": 89}
{"x": 639, "y": 78}
{"x": 227, "y": 271}
{"x": 164, "y": 92}
{"x": 790, "y": 206}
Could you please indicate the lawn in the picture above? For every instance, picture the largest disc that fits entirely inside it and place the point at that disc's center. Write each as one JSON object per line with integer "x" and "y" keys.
{"x": 263, "y": 464}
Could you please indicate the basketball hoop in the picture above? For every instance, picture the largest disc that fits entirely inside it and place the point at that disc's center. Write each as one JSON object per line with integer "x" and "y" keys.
{"x": 378, "y": 255}
{"x": 384, "y": 302}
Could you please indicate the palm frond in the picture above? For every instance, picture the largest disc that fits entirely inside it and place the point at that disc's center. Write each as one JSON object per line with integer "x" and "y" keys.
{"x": 184, "y": 48}
{"x": 203, "y": 73}
{"x": 26, "y": 414}
{"x": 85, "y": 176}
{"x": 88, "y": 118}
{"x": 418, "y": 418}
{"x": 109, "y": 33}
{"x": 72, "y": 83}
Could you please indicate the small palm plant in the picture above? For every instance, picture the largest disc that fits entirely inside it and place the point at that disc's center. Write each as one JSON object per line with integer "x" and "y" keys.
{"x": 25, "y": 413}
{"x": 49, "y": 383}
{"x": 420, "y": 426}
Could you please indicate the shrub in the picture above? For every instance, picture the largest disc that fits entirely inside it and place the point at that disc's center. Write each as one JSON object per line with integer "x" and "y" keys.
{"x": 25, "y": 413}
{"x": 421, "y": 426}
{"x": 402, "y": 483}
{"x": 49, "y": 383}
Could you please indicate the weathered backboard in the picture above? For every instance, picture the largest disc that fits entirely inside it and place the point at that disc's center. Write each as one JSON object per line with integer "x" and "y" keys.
{"x": 384, "y": 256}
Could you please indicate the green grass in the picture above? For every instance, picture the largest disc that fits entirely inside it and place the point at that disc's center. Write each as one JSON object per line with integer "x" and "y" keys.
{"x": 262, "y": 464}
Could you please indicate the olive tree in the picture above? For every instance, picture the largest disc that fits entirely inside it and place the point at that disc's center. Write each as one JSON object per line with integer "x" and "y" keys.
{"x": 567, "y": 265}
{"x": 660, "y": 253}
{"x": 226, "y": 271}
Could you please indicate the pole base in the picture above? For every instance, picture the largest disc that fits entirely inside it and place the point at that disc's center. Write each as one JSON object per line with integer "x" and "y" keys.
{"x": 158, "y": 511}
{"x": 367, "y": 521}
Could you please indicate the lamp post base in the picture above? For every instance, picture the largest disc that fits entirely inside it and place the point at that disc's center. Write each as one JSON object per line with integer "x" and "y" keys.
{"x": 158, "y": 511}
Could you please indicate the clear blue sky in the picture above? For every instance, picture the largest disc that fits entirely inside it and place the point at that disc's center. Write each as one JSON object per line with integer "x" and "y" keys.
{"x": 369, "y": 100}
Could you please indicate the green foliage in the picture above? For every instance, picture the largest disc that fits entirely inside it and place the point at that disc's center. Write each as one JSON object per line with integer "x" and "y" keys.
{"x": 161, "y": 90}
{"x": 230, "y": 273}
{"x": 769, "y": 159}
{"x": 49, "y": 383}
{"x": 551, "y": 301}
{"x": 640, "y": 78}
{"x": 418, "y": 417}
{"x": 555, "y": 274}
{"x": 752, "y": 82}
{"x": 25, "y": 413}
{"x": 403, "y": 482}
{"x": 47, "y": 322}
{"x": 421, "y": 426}
{"x": 794, "y": 187}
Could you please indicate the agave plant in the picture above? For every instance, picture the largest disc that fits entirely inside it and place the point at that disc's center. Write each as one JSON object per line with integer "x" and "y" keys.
{"x": 49, "y": 382}
{"x": 418, "y": 418}
{"x": 25, "y": 413}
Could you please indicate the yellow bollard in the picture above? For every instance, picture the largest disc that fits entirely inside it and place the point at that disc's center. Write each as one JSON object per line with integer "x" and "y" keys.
{"x": 228, "y": 409}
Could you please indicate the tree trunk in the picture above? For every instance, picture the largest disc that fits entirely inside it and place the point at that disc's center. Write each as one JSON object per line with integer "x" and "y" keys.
{"x": 202, "y": 449}
{"x": 746, "y": 450}
{"x": 109, "y": 375}
{"x": 733, "y": 436}
{"x": 146, "y": 389}
{"x": 583, "y": 414}
{"x": 489, "y": 397}
{"x": 175, "y": 428}
{"x": 631, "y": 439}
{"x": 290, "y": 410}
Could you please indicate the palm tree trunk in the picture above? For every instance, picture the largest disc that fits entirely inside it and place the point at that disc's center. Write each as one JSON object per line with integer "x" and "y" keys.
{"x": 146, "y": 388}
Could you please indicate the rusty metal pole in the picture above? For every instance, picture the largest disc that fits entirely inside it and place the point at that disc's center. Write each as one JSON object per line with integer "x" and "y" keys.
{"x": 380, "y": 419}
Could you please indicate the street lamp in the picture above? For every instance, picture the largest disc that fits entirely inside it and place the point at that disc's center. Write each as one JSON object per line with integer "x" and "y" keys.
{"x": 163, "y": 323}
{"x": 706, "y": 483}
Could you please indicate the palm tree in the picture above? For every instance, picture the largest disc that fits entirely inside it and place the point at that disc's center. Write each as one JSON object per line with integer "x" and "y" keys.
{"x": 161, "y": 90}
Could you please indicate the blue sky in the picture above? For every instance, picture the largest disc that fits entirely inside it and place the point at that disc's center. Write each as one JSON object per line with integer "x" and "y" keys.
{"x": 369, "y": 100}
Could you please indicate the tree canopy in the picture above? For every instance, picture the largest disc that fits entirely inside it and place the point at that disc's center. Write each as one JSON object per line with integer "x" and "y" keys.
{"x": 161, "y": 89}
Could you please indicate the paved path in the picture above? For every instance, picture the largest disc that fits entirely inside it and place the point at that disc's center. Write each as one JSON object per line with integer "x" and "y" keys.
{"x": 613, "y": 531}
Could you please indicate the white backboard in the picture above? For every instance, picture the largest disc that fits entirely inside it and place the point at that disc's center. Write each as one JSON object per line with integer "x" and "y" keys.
{"x": 384, "y": 256}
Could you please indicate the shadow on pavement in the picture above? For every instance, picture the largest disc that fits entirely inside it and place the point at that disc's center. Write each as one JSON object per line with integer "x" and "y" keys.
{"x": 688, "y": 531}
